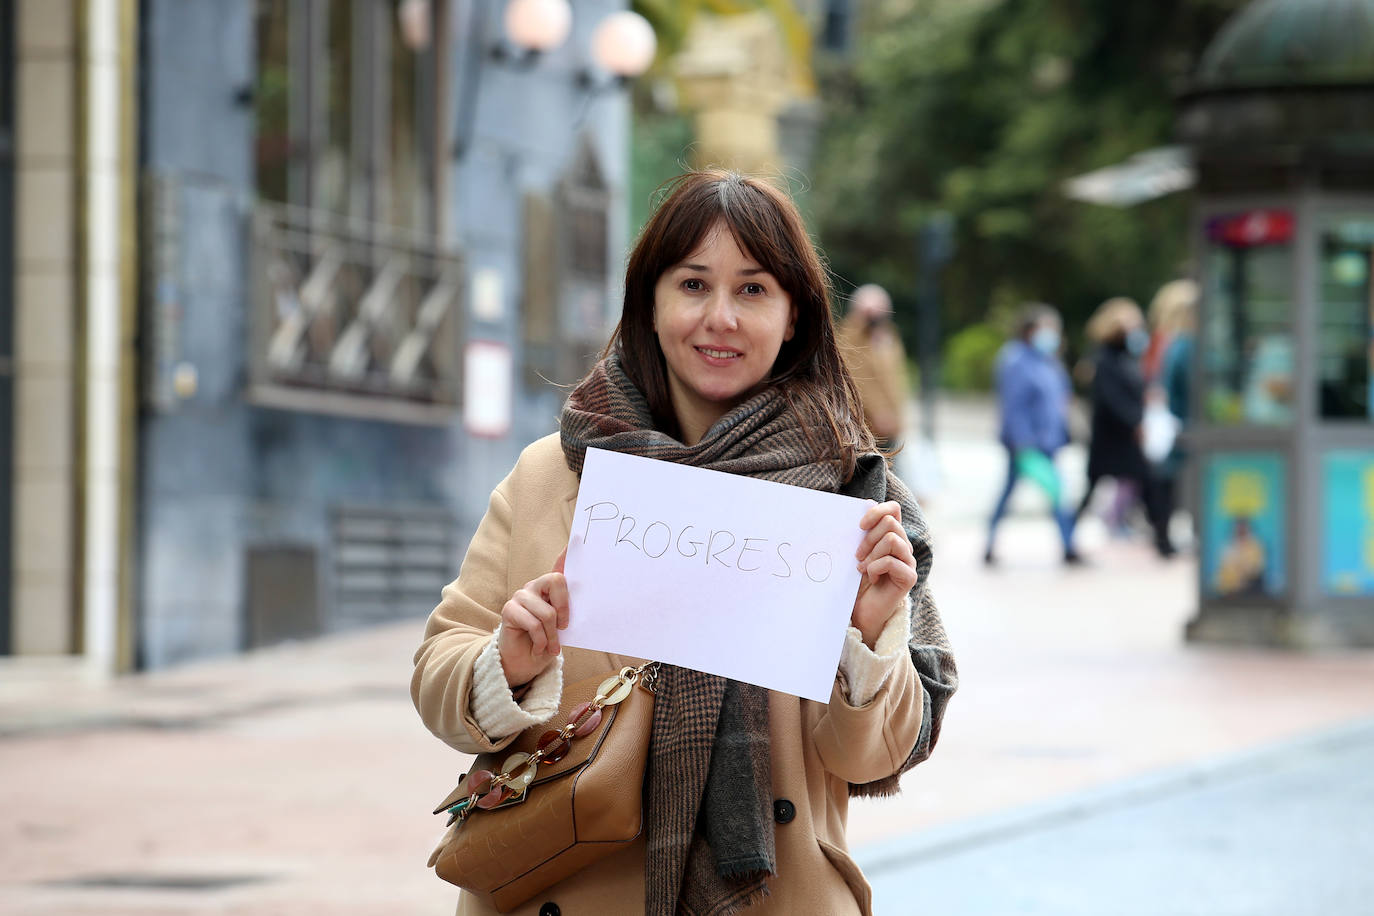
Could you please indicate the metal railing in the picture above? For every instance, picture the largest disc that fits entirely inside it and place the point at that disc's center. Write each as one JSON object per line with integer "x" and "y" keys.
{"x": 342, "y": 308}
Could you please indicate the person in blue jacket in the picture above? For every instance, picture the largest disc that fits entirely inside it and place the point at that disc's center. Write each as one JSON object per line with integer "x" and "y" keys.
{"x": 1033, "y": 392}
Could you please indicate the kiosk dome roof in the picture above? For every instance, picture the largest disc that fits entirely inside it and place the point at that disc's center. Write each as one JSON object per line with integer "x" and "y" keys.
{"x": 1292, "y": 43}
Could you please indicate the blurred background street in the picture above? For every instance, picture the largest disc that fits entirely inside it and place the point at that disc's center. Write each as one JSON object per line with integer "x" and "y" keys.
{"x": 287, "y": 285}
{"x": 1092, "y": 762}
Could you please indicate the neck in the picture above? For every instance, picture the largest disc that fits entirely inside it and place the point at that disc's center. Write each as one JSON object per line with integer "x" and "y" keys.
{"x": 693, "y": 424}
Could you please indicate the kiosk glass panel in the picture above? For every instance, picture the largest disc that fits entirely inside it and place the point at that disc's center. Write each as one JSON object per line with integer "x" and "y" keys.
{"x": 1345, "y": 342}
{"x": 1247, "y": 334}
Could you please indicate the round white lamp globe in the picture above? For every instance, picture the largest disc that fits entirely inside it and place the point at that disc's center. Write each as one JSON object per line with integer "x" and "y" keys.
{"x": 538, "y": 25}
{"x": 624, "y": 44}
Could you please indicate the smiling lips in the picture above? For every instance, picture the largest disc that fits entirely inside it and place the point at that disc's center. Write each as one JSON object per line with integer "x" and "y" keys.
{"x": 718, "y": 356}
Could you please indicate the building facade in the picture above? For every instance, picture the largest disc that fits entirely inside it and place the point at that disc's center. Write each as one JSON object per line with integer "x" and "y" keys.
{"x": 298, "y": 311}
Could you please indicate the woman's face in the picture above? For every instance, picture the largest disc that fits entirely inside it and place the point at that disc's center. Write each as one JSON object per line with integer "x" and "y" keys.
{"x": 721, "y": 320}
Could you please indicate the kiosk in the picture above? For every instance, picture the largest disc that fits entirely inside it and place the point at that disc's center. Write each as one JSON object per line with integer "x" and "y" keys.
{"x": 1280, "y": 119}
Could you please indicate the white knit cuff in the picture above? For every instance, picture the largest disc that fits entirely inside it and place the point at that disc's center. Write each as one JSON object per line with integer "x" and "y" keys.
{"x": 494, "y": 708}
{"x": 866, "y": 670}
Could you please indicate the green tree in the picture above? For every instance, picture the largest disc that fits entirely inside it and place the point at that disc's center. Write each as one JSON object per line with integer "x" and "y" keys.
{"x": 982, "y": 108}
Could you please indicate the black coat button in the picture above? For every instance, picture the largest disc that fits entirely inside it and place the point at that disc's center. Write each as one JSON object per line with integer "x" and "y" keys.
{"x": 784, "y": 811}
{"x": 550, "y": 909}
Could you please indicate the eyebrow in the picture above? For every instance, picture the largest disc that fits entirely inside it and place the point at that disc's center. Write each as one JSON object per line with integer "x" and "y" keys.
{"x": 702, "y": 268}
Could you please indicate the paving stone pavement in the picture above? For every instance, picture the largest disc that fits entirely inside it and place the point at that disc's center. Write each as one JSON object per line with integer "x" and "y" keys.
{"x": 298, "y": 779}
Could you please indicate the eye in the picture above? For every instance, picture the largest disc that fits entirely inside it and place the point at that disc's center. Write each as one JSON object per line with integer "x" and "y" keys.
{"x": 753, "y": 289}
{"x": 693, "y": 285}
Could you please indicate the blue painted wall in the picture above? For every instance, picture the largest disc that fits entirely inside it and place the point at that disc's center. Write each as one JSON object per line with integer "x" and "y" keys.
{"x": 218, "y": 475}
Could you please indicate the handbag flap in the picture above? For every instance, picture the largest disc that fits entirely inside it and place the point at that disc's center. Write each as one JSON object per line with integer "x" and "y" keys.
{"x": 583, "y": 749}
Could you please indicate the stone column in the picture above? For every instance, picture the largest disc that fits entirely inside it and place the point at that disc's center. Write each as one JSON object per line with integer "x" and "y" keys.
{"x": 733, "y": 74}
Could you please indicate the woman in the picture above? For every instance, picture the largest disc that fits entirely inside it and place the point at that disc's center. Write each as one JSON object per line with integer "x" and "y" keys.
{"x": 1118, "y": 399}
{"x": 1176, "y": 305}
{"x": 724, "y": 358}
{"x": 873, "y": 353}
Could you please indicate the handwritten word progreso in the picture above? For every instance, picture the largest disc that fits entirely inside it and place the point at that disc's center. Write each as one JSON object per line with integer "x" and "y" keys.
{"x": 709, "y": 546}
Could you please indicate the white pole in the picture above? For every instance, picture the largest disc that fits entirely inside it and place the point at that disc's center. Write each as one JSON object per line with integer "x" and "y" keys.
{"x": 103, "y": 370}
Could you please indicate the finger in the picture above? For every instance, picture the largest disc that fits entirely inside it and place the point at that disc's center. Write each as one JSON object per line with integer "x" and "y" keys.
{"x": 557, "y": 595}
{"x": 547, "y": 616}
{"x": 519, "y": 617}
{"x": 891, "y": 533}
{"x": 562, "y": 559}
{"x": 874, "y": 534}
{"x": 898, "y": 572}
{"x": 532, "y": 599}
{"x": 885, "y": 526}
{"x": 879, "y": 510}
{"x": 891, "y": 544}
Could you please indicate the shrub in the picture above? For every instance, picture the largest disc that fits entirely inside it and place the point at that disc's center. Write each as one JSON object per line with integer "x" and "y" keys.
{"x": 969, "y": 357}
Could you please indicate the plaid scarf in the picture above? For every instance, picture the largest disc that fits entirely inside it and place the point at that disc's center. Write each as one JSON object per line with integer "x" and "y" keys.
{"x": 709, "y": 808}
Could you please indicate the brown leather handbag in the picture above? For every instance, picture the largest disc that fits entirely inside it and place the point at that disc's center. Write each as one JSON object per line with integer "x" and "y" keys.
{"x": 557, "y": 799}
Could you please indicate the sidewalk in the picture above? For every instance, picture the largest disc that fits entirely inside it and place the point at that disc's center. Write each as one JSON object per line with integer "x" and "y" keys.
{"x": 298, "y": 780}
{"x": 1282, "y": 830}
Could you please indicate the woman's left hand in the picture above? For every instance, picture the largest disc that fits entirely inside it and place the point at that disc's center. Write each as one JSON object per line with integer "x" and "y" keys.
{"x": 887, "y": 567}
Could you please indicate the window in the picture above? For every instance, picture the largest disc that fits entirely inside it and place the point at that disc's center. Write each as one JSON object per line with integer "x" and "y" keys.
{"x": 567, "y": 272}
{"x": 355, "y": 296}
{"x": 347, "y": 110}
{"x": 1248, "y": 338}
{"x": 1345, "y": 342}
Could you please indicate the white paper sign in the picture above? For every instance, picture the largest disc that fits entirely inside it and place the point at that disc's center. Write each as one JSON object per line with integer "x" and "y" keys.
{"x": 734, "y": 576}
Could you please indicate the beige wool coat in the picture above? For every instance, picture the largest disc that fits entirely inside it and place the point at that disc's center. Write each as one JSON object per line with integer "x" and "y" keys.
{"x": 878, "y": 366}
{"x": 817, "y": 749}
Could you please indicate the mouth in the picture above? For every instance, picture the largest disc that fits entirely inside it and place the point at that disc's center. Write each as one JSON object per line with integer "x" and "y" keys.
{"x": 719, "y": 355}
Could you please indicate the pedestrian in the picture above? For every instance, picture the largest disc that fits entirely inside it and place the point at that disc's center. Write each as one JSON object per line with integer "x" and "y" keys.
{"x": 1033, "y": 394}
{"x": 873, "y": 351}
{"x": 1176, "y": 307}
{"x": 1118, "y": 408}
{"x": 724, "y": 357}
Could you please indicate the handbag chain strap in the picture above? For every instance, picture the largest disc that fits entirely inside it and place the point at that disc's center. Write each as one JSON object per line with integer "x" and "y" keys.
{"x": 488, "y": 790}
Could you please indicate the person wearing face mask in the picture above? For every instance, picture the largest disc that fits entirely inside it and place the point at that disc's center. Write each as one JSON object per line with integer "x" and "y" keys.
{"x": 873, "y": 352}
{"x": 1033, "y": 394}
{"x": 1118, "y": 407}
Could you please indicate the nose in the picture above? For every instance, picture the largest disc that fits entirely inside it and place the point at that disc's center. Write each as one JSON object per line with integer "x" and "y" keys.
{"x": 720, "y": 313}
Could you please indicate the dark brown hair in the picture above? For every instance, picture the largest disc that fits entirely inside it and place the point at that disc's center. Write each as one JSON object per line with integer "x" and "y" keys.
{"x": 766, "y": 225}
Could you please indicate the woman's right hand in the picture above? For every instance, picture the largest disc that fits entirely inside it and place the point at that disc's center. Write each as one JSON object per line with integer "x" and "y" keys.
{"x": 530, "y": 622}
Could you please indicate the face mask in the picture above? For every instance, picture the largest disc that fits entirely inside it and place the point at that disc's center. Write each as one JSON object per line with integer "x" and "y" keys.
{"x": 1046, "y": 340}
{"x": 1137, "y": 341}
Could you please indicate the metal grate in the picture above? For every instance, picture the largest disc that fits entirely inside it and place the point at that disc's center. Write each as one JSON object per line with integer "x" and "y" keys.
{"x": 283, "y": 595}
{"x": 353, "y": 307}
{"x": 390, "y": 562}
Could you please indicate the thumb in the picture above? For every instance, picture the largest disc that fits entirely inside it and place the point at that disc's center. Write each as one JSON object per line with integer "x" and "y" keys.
{"x": 562, "y": 558}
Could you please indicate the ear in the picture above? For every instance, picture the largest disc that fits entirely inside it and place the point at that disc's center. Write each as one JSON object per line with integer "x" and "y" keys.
{"x": 791, "y": 323}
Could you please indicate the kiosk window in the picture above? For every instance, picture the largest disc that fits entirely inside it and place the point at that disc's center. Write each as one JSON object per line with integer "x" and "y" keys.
{"x": 1345, "y": 343}
{"x": 1247, "y": 336}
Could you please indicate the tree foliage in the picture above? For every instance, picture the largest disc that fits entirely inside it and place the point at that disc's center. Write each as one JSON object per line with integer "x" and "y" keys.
{"x": 982, "y": 108}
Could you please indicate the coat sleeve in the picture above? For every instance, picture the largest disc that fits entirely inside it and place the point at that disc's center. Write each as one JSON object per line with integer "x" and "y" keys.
{"x": 1014, "y": 391}
{"x": 862, "y": 744}
{"x": 868, "y": 744}
{"x": 459, "y": 629}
